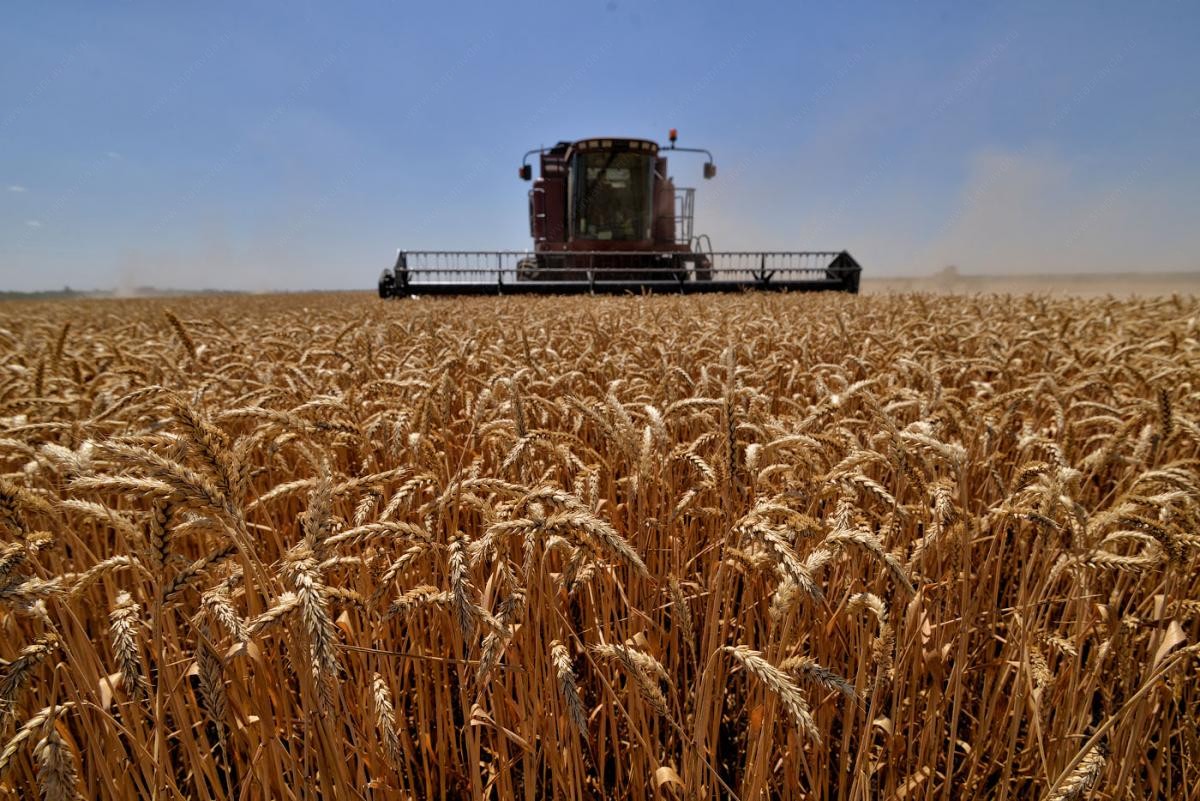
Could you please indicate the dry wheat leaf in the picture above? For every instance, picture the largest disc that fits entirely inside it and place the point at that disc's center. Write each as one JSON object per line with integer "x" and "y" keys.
{"x": 1173, "y": 638}
{"x": 106, "y": 686}
{"x": 667, "y": 775}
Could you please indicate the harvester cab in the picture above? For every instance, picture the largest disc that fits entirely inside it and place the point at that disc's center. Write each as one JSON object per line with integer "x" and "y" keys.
{"x": 606, "y": 217}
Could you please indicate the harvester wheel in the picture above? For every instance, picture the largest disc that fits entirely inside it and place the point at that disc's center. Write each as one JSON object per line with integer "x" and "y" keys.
{"x": 692, "y": 269}
{"x": 387, "y": 285}
{"x": 527, "y": 269}
{"x": 679, "y": 269}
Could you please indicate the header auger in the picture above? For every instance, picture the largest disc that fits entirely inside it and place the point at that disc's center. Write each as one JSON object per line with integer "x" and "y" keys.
{"x": 606, "y": 218}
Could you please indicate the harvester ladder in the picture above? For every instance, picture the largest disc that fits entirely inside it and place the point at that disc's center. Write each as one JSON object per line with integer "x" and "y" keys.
{"x": 685, "y": 209}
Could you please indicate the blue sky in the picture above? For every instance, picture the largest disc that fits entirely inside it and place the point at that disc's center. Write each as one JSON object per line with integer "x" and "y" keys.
{"x": 259, "y": 145}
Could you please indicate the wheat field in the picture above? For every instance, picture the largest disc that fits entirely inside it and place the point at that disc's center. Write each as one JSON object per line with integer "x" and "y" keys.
{"x": 786, "y": 547}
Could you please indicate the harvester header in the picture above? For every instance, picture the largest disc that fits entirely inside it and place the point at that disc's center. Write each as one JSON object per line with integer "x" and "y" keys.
{"x": 606, "y": 217}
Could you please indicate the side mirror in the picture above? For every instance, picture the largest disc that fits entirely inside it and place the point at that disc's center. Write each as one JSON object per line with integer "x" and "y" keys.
{"x": 710, "y": 170}
{"x": 526, "y": 172}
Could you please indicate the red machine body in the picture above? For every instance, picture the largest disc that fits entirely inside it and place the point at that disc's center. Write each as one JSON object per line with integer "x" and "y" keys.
{"x": 607, "y": 194}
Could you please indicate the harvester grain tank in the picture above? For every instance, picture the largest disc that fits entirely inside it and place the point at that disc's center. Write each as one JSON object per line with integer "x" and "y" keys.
{"x": 606, "y": 217}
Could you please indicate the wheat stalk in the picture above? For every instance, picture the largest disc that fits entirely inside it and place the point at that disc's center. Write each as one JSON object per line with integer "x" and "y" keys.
{"x": 57, "y": 776}
{"x": 779, "y": 683}
{"x": 635, "y": 665}
{"x": 18, "y": 672}
{"x": 318, "y": 625}
{"x": 27, "y": 730}
{"x": 567, "y": 686}
{"x": 1083, "y": 778}
{"x": 181, "y": 331}
{"x": 385, "y": 718}
{"x": 126, "y": 621}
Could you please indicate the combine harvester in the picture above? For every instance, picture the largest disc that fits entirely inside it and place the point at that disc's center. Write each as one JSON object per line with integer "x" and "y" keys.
{"x": 606, "y": 218}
